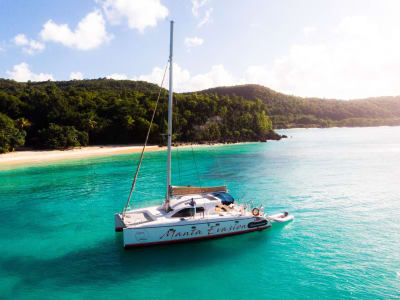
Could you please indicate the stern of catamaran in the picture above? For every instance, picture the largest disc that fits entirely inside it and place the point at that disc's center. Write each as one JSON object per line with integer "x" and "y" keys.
{"x": 119, "y": 224}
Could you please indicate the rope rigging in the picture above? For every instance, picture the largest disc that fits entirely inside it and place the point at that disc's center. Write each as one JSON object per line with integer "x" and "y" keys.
{"x": 195, "y": 165}
{"x": 179, "y": 166}
{"x": 145, "y": 144}
{"x": 219, "y": 168}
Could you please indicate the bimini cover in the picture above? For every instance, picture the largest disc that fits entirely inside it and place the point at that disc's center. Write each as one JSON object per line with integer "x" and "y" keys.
{"x": 225, "y": 198}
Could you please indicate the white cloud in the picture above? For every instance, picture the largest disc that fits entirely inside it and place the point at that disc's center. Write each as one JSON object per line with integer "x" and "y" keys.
{"x": 22, "y": 73}
{"x": 21, "y": 40}
{"x": 184, "y": 82}
{"x": 157, "y": 74}
{"x": 357, "y": 25}
{"x": 89, "y": 34}
{"x": 196, "y": 5}
{"x": 117, "y": 76}
{"x": 353, "y": 64}
{"x": 29, "y": 46}
{"x": 309, "y": 30}
{"x": 76, "y": 76}
{"x": 359, "y": 59}
{"x": 193, "y": 42}
{"x": 207, "y": 17}
{"x": 217, "y": 76}
{"x": 140, "y": 14}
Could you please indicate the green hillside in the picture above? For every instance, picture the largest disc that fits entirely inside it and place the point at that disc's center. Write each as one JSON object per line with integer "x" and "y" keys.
{"x": 65, "y": 114}
{"x": 290, "y": 111}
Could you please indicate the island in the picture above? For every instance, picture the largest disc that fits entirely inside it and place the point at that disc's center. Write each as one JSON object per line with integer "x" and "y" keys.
{"x": 67, "y": 114}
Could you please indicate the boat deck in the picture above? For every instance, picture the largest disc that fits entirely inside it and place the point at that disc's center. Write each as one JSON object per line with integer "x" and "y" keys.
{"x": 142, "y": 219}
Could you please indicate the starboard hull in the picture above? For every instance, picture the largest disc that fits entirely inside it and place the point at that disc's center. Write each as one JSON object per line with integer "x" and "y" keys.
{"x": 147, "y": 236}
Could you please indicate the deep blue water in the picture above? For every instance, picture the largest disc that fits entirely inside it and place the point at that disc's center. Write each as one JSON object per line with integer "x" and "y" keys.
{"x": 57, "y": 238}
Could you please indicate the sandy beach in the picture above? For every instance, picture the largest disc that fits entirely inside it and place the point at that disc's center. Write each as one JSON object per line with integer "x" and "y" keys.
{"x": 19, "y": 158}
{"x": 38, "y": 156}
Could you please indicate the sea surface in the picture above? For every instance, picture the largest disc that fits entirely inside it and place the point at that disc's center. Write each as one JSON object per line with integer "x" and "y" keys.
{"x": 57, "y": 238}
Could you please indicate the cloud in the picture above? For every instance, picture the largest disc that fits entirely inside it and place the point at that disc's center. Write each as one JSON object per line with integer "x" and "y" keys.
{"x": 157, "y": 74}
{"x": 197, "y": 5}
{"x": 76, "y": 76}
{"x": 358, "y": 59}
{"x": 193, "y": 42}
{"x": 207, "y": 18}
{"x": 89, "y": 34}
{"x": 357, "y": 25}
{"x": 30, "y": 47}
{"x": 184, "y": 82}
{"x": 140, "y": 14}
{"x": 309, "y": 30}
{"x": 217, "y": 76}
{"x": 21, "y": 40}
{"x": 117, "y": 76}
{"x": 22, "y": 73}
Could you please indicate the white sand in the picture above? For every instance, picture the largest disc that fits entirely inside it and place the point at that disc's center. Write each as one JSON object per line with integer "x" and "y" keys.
{"x": 18, "y": 158}
{"x": 34, "y": 156}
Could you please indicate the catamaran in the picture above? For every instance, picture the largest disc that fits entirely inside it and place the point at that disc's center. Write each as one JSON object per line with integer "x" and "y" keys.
{"x": 188, "y": 212}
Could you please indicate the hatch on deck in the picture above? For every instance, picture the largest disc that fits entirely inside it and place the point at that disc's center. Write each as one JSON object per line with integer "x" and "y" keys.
{"x": 137, "y": 218}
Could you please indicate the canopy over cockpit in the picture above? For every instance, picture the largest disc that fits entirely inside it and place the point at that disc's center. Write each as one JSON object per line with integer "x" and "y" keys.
{"x": 205, "y": 198}
{"x": 226, "y": 199}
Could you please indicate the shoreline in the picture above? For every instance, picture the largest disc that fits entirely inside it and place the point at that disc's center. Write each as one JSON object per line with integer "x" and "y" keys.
{"x": 41, "y": 156}
{"x": 20, "y": 158}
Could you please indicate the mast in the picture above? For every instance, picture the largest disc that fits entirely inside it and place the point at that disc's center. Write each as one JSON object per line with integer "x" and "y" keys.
{"x": 170, "y": 98}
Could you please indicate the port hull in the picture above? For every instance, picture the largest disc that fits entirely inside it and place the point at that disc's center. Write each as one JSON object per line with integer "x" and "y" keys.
{"x": 129, "y": 246}
{"x": 191, "y": 231}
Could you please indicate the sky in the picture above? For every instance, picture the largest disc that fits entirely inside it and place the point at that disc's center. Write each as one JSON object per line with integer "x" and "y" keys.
{"x": 342, "y": 49}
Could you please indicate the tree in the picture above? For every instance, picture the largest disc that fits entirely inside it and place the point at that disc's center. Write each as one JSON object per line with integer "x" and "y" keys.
{"x": 65, "y": 114}
{"x": 10, "y": 136}
{"x": 62, "y": 137}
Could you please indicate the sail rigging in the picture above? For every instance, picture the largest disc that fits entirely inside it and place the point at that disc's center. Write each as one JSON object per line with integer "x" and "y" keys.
{"x": 144, "y": 146}
{"x": 170, "y": 98}
{"x": 189, "y": 212}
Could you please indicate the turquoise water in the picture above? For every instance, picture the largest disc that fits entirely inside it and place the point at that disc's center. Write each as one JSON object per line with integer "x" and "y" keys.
{"x": 57, "y": 238}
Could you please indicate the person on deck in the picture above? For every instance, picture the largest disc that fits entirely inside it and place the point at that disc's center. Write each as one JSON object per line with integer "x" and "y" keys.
{"x": 192, "y": 208}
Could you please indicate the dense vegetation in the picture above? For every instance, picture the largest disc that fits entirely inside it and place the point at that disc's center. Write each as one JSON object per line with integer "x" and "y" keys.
{"x": 59, "y": 115}
{"x": 288, "y": 111}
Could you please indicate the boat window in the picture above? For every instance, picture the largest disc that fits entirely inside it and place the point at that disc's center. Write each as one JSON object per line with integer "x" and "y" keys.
{"x": 186, "y": 212}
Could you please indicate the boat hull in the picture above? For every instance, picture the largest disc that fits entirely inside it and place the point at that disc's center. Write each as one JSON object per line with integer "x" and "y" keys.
{"x": 147, "y": 236}
{"x": 119, "y": 224}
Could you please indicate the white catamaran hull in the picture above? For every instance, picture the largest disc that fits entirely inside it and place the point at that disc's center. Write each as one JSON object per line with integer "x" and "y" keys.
{"x": 145, "y": 236}
{"x": 188, "y": 212}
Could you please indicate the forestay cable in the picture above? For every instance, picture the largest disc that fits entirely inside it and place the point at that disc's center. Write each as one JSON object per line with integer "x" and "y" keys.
{"x": 144, "y": 145}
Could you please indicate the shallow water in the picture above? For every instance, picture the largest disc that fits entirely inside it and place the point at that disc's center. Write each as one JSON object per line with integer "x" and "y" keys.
{"x": 57, "y": 236}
